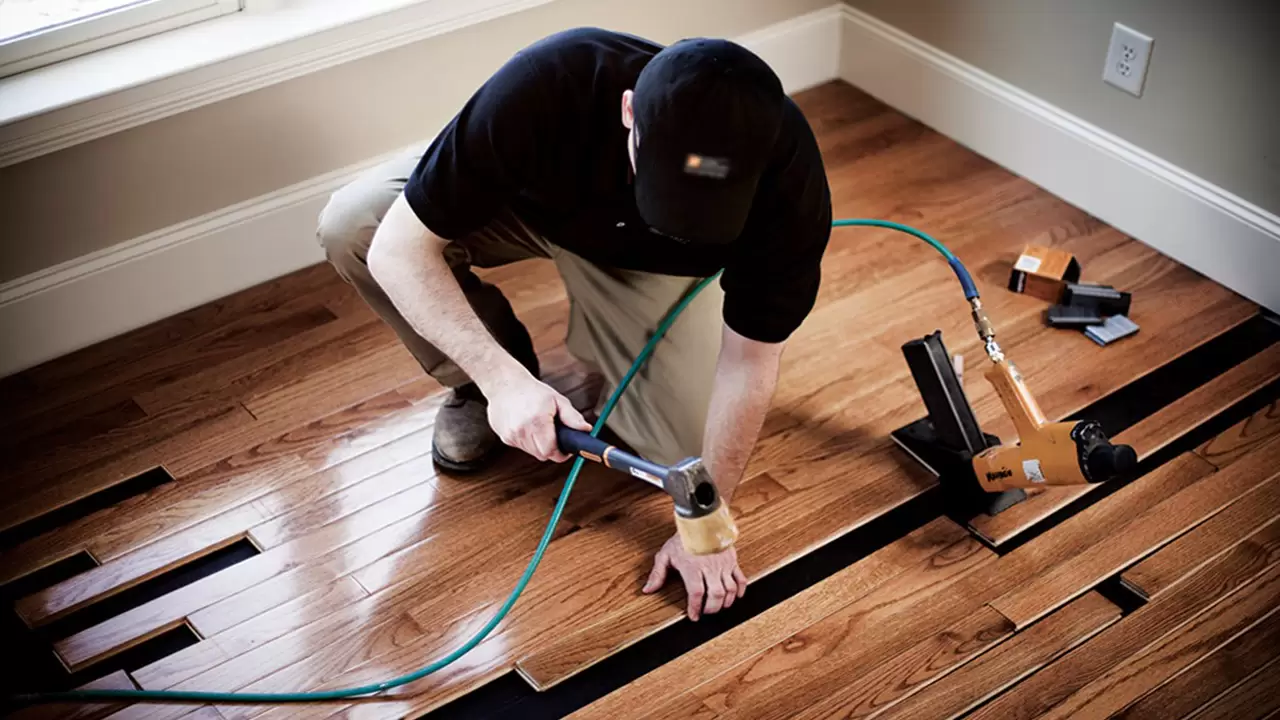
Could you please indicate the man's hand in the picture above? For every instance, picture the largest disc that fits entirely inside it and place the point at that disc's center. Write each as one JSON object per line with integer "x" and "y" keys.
{"x": 716, "y": 578}
{"x": 523, "y": 412}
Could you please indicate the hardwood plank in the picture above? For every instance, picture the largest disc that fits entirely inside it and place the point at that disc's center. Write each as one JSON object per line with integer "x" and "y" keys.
{"x": 880, "y": 688}
{"x": 81, "y": 447}
{"x": 82, "y": 371}
{"x": 1211, "y": 675}
{"x": 644, "y": 694}
{"x": 800, "y": 521}
{"x": 1142, "y": 672}
{"x": 85, "y": 481}
{"x": 1010, "y": 661}
{"x": 383, "y": 368}
{"x": 138, "y": 521}
{"x": 134, "y": 626}
{"x": 1149, "y": 531}
{"x": 1184, "y": 414}
{"x": 124, "y": 572}
{"x": 1256, "y": 697}
{"x": 118, "y": 680}
{"x": 262, "y": 367}
{"x": 303, "y": 507}
{"x": 250, "y": 599}
{"x": 794, "y": 673}
{"x": 1243, "y": 437}
{"x": 1045, "y": 690}
{"x": 218, "y": 647}
{"x": 1148, "y": 436}
{"x": 1189, "y": 553}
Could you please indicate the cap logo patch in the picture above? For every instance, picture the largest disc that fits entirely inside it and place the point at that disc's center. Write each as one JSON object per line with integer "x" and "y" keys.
{"x": 705, "y": 166}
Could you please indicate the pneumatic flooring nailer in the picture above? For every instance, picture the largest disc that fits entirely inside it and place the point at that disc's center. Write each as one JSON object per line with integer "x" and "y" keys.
{"x": 973, "y": 465}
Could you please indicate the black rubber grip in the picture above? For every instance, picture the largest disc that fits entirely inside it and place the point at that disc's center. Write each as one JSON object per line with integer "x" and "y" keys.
{"x": 576, "y": 442}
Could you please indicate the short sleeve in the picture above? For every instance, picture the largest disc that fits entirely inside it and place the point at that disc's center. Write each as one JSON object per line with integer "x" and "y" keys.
{"x": 482, "y": 157}
{"x": 771, "y": 282}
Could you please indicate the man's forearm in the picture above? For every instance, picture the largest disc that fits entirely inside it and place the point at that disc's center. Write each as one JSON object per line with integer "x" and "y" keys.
{"x": 408, "y": 263}
{"x": 746, "y": 376}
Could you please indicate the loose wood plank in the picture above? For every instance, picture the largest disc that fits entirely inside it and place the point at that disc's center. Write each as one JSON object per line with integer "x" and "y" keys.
{"x": 1243, "y": 437}
{"x": 1150, "y": 530}
{"x": 1189, "y": 553}
{"x": 158, "y": 513}
{"x": 1010, "y": 661}
{"x": 1210, "y": 676}
{"x": 219, "y": 647}
{"x": 324, "y": 546}
{"x": 791, "y": 616}
{"x": 1142, "y": 672}
{"x": 124, "y": 572}
{"x": 1148, "y": 436}
{"x": 1047, "y": 689}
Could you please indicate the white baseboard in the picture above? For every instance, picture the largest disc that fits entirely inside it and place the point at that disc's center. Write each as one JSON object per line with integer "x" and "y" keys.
{"x": 101, "y": 295}
{"x": 109, "y": 292}
{"x": 1179, "y": 214}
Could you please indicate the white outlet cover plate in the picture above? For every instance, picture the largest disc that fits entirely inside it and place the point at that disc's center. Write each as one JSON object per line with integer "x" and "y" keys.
{"x": 1127, "y": 59}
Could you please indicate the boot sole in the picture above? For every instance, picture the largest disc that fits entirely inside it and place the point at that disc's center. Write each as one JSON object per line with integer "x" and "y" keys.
{"x": 471, "y": 466}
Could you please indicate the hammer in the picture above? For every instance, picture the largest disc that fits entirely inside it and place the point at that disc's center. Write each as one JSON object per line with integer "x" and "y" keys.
{"x": 702, "y": 520}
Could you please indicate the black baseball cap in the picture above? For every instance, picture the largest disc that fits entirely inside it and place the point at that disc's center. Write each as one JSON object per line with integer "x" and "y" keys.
{"x": 707, "y": 115}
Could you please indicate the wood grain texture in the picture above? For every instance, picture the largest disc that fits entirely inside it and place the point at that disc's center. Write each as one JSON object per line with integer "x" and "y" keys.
{"x": 1256, "y": 697}
{"x": 1151, "y": 529}
{"x": 1232, "y": 526}
{"x": 1210, "y": 675}
{"x": 1147, "y": 436}
{"x": 1146, "y": 626}
{"x": 1144, "y": 671}
{"x": 765, "y": 630}
{"x": 809, "y": 665}
{"x": 1009, "y": 662}
{"x": 880, "y": 687}
{"x": 1243, "y": 437}
{"x": 118, "y": 680}
{"x": 370, "y": 569}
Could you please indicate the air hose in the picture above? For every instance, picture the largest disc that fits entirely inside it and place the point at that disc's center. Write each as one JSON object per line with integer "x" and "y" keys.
{"x": 257, "y": 698}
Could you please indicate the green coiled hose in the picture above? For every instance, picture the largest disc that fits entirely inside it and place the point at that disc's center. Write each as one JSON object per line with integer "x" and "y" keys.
{"x": 257, "y": 698}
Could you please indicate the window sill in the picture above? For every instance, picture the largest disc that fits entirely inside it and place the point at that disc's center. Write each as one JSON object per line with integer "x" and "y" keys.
{"x": 104, "y": 92}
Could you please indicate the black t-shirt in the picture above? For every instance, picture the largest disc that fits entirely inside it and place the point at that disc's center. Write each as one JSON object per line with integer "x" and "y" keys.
{"x": 544, "y": 137}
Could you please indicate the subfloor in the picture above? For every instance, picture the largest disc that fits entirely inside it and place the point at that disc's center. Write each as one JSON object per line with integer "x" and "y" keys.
{"x": 242, "y": 498}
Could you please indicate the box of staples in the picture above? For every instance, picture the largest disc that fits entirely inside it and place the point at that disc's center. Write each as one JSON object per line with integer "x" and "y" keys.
{"x": 1044, "y": 272}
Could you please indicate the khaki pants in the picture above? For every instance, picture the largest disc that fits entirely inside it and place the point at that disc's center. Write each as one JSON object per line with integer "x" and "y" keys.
{"x": 612, "y": 314}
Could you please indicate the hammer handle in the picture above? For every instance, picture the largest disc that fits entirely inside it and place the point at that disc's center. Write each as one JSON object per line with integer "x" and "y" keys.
{"x": 582, "y": 444}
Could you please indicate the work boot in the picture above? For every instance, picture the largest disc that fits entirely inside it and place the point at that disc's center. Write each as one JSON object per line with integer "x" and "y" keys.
{"x": 462, "y": 440}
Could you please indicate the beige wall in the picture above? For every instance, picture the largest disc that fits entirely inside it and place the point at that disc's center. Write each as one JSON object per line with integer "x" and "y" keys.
{"x": 1211, "y": 104}
{"x": 91, "y": 196}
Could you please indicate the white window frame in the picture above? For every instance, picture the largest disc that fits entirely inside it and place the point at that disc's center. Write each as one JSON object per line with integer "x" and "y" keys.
{"x": 105, "y": 29}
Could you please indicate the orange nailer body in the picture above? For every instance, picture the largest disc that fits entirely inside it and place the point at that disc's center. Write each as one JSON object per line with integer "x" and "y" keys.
{"x": 1058, "y": 453}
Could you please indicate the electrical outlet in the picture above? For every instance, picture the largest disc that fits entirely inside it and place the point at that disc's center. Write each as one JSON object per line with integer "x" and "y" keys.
{"x": 1127, "y": 59}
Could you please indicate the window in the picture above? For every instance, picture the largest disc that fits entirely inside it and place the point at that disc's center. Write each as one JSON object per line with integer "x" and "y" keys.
{"x": 39, "y": 32}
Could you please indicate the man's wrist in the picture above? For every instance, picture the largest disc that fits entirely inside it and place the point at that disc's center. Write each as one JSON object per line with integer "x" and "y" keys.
{"x": 502, "y": 373}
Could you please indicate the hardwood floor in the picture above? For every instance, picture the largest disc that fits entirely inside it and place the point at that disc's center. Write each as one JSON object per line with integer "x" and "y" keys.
{"x": 290, "y": 418}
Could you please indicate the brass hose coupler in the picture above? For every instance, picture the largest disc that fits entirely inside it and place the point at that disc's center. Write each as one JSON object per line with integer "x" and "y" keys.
{"x": 986, "y": 331}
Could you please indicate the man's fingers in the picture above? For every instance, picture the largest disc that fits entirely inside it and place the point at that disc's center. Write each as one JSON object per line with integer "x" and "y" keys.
{"x": 543, "y": 436}
{"x": 715, "y": 594}
{"x": 570, "y": 416}
{"x": 741, "y": 579}
{"x": 730, "y": 588}
{"x": 697, "y": 591}
{"x": 658, "y": 575}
